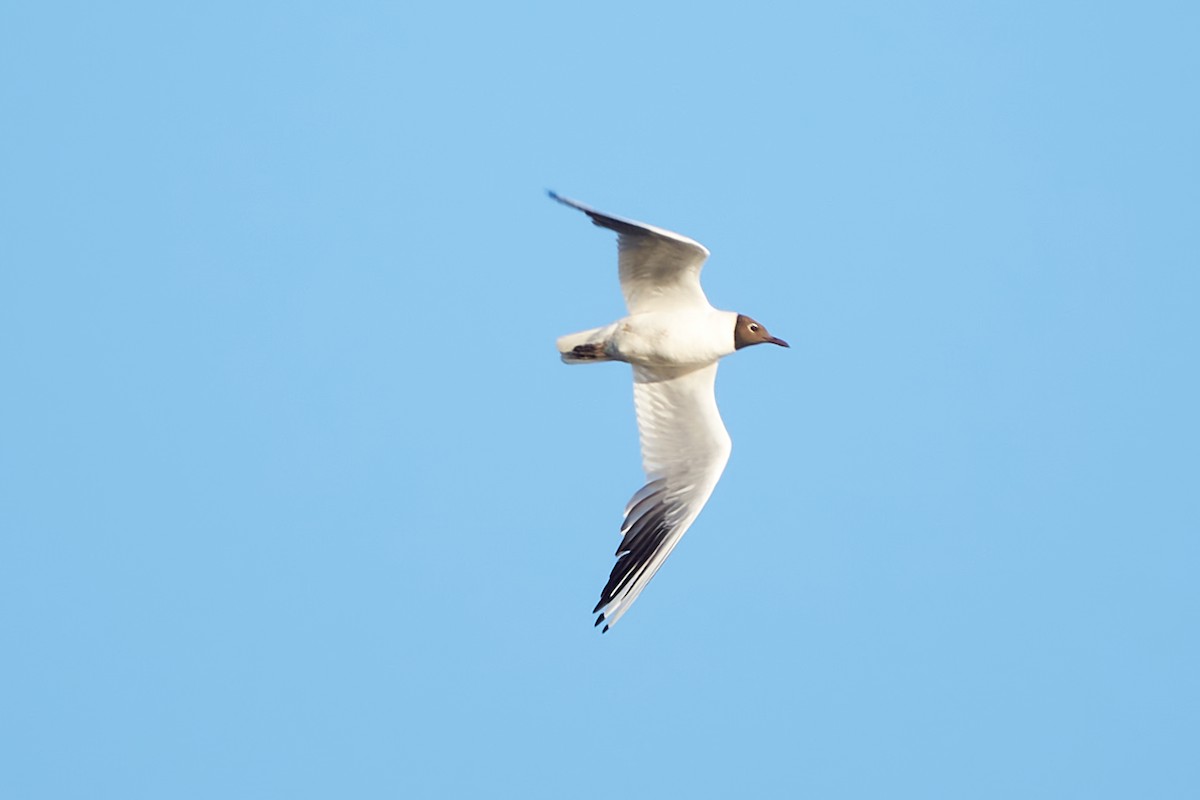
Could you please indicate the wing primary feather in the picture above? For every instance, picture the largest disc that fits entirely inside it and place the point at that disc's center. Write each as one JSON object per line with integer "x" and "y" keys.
{"x": 623, "y": 226}
{"x": 639, "y": 511}
{"x": 641, "y": 494}
{"x": 641, "y": 543}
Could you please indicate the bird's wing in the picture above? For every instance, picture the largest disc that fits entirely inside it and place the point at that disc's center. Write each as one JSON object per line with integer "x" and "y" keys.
{"x": 684, "y": 450}
{"x": 659, "y": 269}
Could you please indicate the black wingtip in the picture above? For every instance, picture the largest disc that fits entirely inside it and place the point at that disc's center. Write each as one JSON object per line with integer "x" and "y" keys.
{"x": 575, "y": 204}
{"x": 598, "y": 621}
{"x": 605, "y": 629}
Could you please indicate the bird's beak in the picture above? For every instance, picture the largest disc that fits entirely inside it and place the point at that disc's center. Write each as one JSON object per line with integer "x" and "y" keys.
{"x": 778, "y": 341}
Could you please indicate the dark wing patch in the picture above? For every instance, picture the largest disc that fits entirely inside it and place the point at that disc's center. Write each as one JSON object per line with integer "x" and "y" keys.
{"x": 621, "y": 226}
{"x": 649, "y": 520}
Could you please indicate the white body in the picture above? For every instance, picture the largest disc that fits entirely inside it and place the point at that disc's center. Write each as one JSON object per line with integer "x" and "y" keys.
{"x": 673, "y": 338}
{"x": 661, "y": 338}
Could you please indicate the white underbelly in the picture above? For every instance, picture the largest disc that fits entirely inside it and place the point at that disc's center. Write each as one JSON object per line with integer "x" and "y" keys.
{"x": 671, "y": 339}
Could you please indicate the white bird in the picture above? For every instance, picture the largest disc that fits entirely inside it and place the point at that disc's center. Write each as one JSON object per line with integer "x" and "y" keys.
{"x": 673, "y": 339}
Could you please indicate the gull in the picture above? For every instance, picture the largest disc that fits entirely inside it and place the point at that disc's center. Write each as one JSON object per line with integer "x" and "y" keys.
{"x": 673, "y": 339}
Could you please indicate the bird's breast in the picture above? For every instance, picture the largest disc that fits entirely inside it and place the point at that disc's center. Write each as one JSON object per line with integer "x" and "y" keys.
{"x": 675, "y": 338}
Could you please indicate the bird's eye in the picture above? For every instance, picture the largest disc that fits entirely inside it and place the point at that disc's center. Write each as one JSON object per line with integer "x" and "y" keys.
{"x": 754, "y": 329}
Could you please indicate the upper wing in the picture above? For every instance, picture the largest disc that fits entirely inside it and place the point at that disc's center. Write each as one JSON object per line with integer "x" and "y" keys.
{"x": 660, "y": 270}
{"x": 684, "y": 450}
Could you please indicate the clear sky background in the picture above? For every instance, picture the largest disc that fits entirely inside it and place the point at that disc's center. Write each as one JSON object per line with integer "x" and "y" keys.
{"x": 296, "y": 499}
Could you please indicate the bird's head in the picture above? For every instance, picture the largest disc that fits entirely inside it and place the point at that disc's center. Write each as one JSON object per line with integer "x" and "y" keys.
{"x": 748, "y": 331}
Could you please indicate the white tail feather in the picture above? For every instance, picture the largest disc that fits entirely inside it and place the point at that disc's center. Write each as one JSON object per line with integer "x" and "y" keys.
{"x": 596, "y": 340}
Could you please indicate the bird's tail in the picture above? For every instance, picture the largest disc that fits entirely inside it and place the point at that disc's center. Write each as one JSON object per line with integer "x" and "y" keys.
{"x": 586, "y": 347}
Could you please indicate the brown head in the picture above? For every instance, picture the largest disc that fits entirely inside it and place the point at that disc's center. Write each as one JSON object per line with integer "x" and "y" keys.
{"x": 748, "y": 331}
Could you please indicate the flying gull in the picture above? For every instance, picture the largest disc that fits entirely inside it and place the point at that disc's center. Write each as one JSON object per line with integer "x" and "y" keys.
{"x": 673, "y": 339}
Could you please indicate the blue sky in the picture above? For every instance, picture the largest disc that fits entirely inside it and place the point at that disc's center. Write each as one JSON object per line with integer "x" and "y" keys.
{"x": 297, "y": 501}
